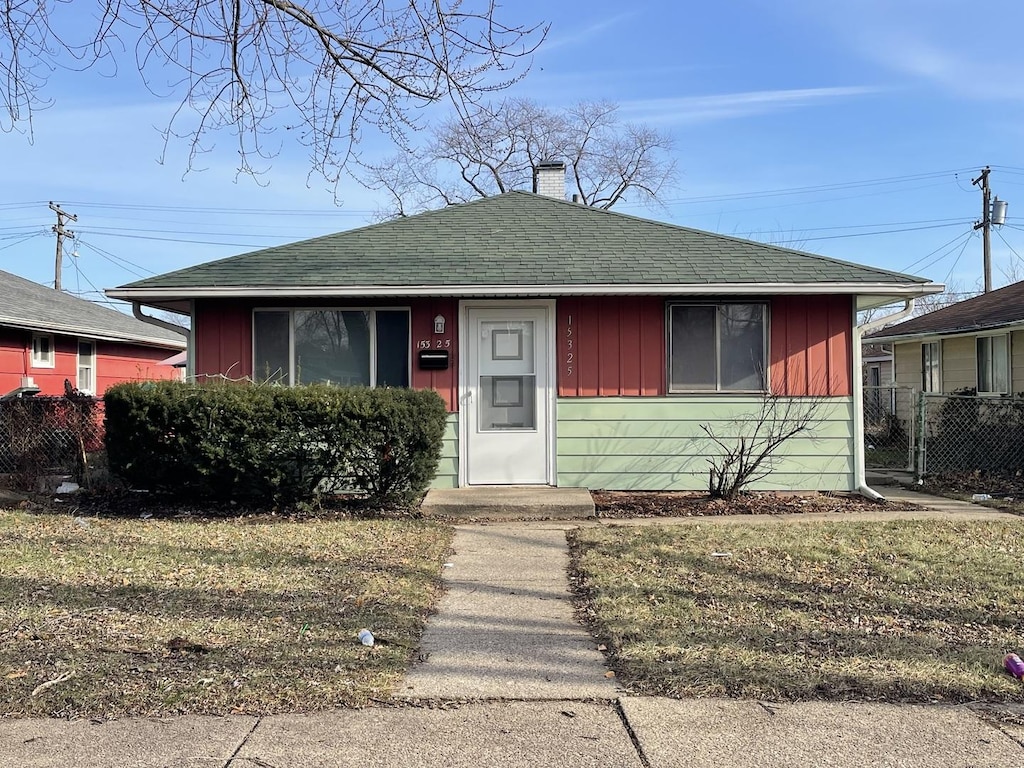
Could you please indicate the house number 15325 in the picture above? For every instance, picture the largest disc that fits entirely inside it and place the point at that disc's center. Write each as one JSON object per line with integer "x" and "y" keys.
{"x": 569, "y": 354}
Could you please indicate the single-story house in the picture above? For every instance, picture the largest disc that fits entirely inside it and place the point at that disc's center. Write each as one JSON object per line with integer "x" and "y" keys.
{"x": 573, "y": 346}
{"x": 975, "y": 344}
{"x": 48, "y": 337}
{"x": 876, "y": 365}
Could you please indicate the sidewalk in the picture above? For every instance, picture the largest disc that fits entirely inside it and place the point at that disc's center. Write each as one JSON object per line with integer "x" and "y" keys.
{"x": 513, "y": 680}
{"x": 698, "y": 733}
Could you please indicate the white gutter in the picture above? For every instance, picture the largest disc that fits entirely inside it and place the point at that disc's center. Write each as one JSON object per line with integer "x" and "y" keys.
{"x": 598, "y": 289}
{"x": 858, "y": 396}
{"x": 139, "y": 315}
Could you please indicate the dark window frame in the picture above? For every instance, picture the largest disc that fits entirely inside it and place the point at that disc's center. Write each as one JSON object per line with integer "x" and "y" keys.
{"x": 289, "y": 377}
{"x": 718, "y": 305}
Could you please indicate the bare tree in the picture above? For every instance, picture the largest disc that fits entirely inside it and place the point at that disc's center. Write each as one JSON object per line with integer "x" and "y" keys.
{"x": 324, "y": 69}
{"x": 495, "y": 147}
{"x": 749, "y": 455}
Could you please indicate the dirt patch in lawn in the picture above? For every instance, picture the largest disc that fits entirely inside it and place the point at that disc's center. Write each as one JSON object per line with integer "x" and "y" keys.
{"x": 625, "y": 504}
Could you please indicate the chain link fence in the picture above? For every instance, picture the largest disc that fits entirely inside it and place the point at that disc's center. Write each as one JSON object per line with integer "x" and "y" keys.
{"x": 967, "y": 433}
{"x": 889, "y": 427}
{"x": 46, "y": 436}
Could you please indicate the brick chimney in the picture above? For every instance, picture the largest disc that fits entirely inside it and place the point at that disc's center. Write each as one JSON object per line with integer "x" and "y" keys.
{"x": 549, "y": 179}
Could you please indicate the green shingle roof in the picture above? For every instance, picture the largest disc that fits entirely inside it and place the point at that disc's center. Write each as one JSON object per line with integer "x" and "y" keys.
{"x": 519, "y": 239}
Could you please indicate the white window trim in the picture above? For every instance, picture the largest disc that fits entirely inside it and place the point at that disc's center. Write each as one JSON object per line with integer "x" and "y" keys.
{"x": 766, "y": 335}
{"x": 37, "y": 360}
{"x": 1009, "y": 364}
{"x": 78, "y": 366}
{"x": 938, "y": 365}
{"x": 373, "y": 335}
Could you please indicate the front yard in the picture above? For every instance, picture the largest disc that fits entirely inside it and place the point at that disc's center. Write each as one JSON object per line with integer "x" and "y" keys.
{"x": 898, "y": 611}
{"x": 105, "y": 617}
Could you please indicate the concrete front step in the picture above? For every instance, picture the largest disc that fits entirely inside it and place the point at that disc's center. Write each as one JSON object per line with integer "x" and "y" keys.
{"x": 502, "y": 502}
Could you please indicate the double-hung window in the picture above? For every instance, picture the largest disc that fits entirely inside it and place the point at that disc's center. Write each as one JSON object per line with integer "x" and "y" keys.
{"x": 43, "y": 355}
{"x": 87, "y": 367}
{"x": 930, "y": 362}
{"x": 717, "y": 347}
{"x": 345, "y": 347}
{"x": 994, "y": 364}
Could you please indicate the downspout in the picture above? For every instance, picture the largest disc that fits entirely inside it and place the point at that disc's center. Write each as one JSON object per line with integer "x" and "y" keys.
{"x": 137, "y": 311}
{"x": 858, "y": 395}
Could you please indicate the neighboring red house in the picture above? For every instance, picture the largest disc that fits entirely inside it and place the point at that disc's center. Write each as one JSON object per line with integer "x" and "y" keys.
{"x": 573, "y": 346}
{"x": 48, "y": 337}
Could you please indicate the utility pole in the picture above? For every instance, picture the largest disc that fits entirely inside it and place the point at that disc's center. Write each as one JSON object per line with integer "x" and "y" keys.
{"x": 62, "y": 215}
{"x": 992, "y": 212}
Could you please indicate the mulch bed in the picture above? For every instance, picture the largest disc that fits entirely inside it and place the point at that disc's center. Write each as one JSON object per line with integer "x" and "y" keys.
{"x": 120, "y": 503}
{"x": 623, "y": 504}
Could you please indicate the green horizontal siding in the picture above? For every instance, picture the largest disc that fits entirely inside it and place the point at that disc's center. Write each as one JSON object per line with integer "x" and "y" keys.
{"x": 658, "y": 443}
{"x": 448, "y": 468}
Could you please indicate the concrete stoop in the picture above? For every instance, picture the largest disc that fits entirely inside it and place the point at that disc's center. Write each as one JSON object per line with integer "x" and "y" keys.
{"x": 504, "y": 502}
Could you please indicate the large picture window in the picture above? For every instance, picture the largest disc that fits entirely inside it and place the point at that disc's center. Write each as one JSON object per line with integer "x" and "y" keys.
{"x": 345, "y": 347}
{"x": 717, "y": 347}
{"x": 994, "y": 364}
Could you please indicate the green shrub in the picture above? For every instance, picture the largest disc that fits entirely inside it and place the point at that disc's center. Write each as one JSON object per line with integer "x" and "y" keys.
{"x": 279, "y": 444}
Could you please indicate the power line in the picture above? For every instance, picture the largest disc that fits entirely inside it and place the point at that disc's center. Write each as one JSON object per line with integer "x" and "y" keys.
{"x": 956, "y": 261}
{"x": 784, "y": 192}
{"x": 23, "y": 240}
{"x": 913, "y": 264}
{"x": 114, "y": 259}
{"x": 868, "y": 234}
{"x": 1009, "y": 246}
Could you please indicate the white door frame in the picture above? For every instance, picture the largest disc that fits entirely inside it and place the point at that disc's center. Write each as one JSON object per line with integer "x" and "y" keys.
{"x": 548, "y": 305}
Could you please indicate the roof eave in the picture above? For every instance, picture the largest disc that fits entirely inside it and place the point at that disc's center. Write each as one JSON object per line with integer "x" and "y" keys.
{"x": 1012, "y": 325}
{"x": 90, "y": 333}
{"x": 896, "y": 290}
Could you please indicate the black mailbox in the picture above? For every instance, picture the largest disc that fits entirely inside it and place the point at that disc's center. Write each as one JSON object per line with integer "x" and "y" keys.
{"x": 433, "y": 359}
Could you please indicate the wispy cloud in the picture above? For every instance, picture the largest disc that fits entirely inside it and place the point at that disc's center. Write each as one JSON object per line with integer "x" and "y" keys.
{"x": 929, "y": 41}
{"x": 557, "y": 40}
{"x": 730, "y": 106}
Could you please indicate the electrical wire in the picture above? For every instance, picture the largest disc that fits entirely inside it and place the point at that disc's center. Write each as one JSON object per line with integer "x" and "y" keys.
{"x": 956, "y": 261}
{"x": 114, "y": 259}
{"x": 913, "y": 264}
{"x": 868, "y": 234}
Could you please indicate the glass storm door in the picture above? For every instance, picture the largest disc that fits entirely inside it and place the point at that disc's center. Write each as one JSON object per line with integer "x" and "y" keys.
{"x": 507, "y": 407}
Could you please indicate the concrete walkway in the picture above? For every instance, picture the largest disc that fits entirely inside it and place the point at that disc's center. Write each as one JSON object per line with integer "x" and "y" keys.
{"x": 505, "y": 628}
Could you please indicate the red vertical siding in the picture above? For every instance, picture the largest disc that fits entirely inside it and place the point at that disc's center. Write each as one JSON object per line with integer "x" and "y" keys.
{"x": 567, "y": 346}
{"x": 422, "y": 335}
{"x": 609, "y": 345}
{"x": 811, "y": 345}
{"x": 223, "y": 338}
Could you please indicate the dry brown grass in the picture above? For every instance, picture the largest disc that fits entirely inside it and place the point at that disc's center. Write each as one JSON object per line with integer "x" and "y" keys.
{"x": 900, "y": 611}
{"x": 148, "y": 617}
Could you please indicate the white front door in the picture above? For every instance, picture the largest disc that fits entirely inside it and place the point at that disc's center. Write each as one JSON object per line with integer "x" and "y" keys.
{"x": 506, "y": 397}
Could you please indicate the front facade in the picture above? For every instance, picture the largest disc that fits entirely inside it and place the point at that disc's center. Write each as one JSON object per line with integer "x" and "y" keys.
{"x": 48, "y": 338}
{"x": 572, "y": 346}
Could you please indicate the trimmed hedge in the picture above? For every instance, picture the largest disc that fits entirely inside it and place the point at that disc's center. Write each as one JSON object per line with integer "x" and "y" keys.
{"x": 279, "y": 444}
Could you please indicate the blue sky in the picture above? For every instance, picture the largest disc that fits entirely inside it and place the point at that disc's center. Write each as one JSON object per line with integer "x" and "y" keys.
{"x": 850, "y": 128}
